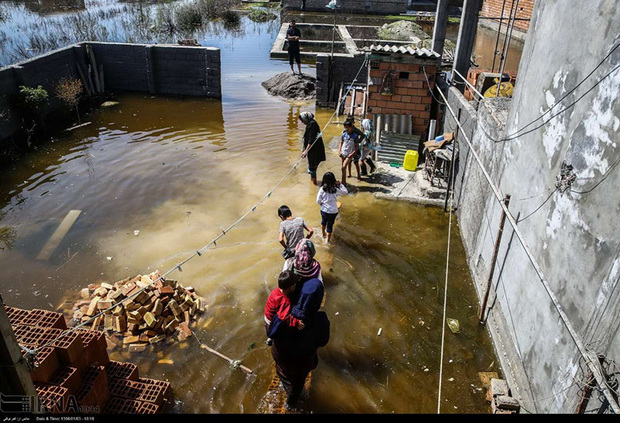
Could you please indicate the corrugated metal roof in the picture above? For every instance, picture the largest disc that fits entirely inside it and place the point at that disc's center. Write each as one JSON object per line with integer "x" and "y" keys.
{"x": 391, "y": 48}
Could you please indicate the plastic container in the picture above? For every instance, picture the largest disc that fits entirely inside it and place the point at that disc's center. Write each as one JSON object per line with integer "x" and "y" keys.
{"x": 411, "y": 160}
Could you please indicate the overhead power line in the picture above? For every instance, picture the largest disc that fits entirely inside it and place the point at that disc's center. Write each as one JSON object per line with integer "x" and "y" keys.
{"x": 589, "y": 356}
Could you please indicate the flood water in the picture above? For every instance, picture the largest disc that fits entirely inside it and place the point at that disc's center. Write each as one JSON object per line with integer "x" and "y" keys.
{"x": 181, "y": 170}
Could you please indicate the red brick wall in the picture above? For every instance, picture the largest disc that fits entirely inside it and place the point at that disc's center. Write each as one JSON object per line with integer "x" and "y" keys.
{"x": 411, "y": 96}
{"x": 493, "y": 8}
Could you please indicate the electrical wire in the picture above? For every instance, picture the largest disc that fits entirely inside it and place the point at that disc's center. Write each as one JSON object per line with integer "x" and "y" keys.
{"x": 516, "y": 134}
{"x": 538, "y": 208}
{"x": 30, "y": 353}
{"x": 536, "y": 266}
{"x": 600, "y": 180}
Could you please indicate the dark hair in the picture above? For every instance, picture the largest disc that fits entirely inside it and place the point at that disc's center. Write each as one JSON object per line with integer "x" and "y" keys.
{"x": 349, "y": 122}
{"x": 284, "y": 211}
{"x": 329, "y": 183}
{"x": 286, "y": 279}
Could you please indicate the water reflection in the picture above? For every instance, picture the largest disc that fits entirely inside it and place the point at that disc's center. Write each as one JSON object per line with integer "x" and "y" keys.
{"x": 181, "y": 170}
{"x": 47, "y": 7}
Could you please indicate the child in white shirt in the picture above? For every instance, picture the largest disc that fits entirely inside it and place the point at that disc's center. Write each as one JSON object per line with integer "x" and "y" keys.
{"x": 326, "y": 198}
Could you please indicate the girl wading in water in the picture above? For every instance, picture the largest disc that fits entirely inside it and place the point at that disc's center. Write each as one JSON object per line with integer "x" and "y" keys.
{"x": 326, "y": 198}
{"x": 313, "y": 144}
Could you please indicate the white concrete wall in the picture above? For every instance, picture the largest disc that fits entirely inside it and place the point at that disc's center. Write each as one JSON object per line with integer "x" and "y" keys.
{"x": 574, "y": 237}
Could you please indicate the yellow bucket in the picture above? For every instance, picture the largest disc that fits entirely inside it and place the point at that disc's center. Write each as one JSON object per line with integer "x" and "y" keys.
{"x": 411, "y": 160}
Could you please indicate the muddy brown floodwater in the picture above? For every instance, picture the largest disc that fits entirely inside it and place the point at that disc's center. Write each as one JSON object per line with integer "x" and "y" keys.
{"x": 181, "y": 170}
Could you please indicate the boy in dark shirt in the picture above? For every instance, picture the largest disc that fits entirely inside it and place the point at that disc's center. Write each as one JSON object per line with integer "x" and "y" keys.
{"x": 293, "y": 34}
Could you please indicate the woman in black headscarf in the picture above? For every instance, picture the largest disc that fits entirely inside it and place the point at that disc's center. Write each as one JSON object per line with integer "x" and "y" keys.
{"x": 313, "y": 144}
{"x": 295, "y": 351}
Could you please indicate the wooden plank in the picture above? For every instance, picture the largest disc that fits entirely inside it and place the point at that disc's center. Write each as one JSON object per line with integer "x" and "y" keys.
{"x": 58, "y": 235}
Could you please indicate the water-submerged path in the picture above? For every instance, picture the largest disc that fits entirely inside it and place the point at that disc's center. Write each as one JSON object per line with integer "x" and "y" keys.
{"x": 179, "y": 171}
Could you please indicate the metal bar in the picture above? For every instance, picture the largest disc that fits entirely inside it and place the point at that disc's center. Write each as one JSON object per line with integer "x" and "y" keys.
{"x": 499, "y": 32}
{"x": 468, "y": 83}
{"x": 585, "y": 353}
{"x": 498, "y": 241}
{"x": 451, "y": 170}
{"x": 587, "y": 393}
{"x": 505, "y": 54}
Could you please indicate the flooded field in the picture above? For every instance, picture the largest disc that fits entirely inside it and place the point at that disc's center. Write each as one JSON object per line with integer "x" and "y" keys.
{"x": 181, "y": 170}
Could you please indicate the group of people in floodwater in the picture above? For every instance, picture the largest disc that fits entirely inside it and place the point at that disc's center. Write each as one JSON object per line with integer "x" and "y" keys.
{"x": 295, "y": 326}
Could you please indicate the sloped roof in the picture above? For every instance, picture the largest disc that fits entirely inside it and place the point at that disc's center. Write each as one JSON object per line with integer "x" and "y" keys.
{"x": 391, "y": 48}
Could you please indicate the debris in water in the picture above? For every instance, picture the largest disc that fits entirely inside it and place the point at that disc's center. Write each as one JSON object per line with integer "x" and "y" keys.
{"x": 379, "y": 333}
{"x": 136, "y": 232}
{"x": 454, "y": 326}
{"x": 109, "y": 104}
{"x": 165, "y": 361}
{"x": 142, "y": 311}
{"x": 108, "y": 258}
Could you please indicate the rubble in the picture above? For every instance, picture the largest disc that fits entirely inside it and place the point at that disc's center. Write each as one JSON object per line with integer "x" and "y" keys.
{"x": 291, "y": 87}
{"x": 402, "y": 31}
{"x": 501, "y": 400}
{"x": 140, "y": 312}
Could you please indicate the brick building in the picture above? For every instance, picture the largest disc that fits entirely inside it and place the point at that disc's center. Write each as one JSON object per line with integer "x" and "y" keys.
{"x": 398, "y": 84}
{"x": 493, "y": 9}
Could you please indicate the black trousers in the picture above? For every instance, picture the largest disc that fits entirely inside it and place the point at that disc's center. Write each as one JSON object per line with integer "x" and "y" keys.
{"x": 294, "y": 55}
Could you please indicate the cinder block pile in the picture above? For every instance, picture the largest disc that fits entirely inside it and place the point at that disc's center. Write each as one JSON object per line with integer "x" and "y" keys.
{"x": 501, "y": 400}
{"x": 139, "y": 312}
{"x": 74, "y": 373}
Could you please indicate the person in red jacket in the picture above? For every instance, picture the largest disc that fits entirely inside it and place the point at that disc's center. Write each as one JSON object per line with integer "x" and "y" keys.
{"x": 279, "y": 303}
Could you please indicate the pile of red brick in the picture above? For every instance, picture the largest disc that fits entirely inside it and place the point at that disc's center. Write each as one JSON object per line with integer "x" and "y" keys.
{"x": 74, "y": 374}
{"x": 138, "y": 313}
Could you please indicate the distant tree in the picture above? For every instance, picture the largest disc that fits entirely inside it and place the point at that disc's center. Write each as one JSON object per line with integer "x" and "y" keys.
{"x": 70, "y": 90}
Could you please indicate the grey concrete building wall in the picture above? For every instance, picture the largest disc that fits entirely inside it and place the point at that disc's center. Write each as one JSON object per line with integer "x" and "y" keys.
{"x": 573, "y": 234}
{"x": 384, "y": 7}
{"x": 343, "y": 69}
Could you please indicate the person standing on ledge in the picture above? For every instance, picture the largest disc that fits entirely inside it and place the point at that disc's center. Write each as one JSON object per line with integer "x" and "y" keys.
{"x": 293, "y": 34}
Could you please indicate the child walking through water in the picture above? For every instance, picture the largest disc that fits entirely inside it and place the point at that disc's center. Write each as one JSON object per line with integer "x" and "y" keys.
{"x": 326, "y": 198}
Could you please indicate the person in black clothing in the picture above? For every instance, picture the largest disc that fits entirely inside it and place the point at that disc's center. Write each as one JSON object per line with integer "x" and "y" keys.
{"x": 293, "y": 34}
{"x": 314, "y": 148}
{"x": 295, "y": 351}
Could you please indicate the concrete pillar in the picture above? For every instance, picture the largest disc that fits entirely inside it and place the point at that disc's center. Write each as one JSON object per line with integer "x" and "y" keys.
{"x": 14, "y": 374}
{"x": 439, "y": 30}
{"x": 467, "y": 36}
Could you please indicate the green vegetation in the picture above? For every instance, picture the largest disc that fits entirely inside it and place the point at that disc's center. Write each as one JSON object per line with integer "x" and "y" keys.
{"x": 231, "y": 19}
{"x": 261, "y": 15}
{"x": 188, "y": 17}
{"x": 33, "y": 100}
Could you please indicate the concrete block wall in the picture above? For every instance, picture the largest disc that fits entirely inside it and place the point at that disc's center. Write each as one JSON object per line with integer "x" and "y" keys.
{"x": 154, "y": 69}
{"x": 344, "y": 69}
{"x": 493, "y": 8}
{"x": 411, "y": 95}
{"x": 384, "y": 7}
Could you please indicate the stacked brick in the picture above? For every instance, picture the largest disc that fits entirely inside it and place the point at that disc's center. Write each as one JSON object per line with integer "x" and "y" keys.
{"x": 410, "y": 94}
{"x": 74, "y": 374}
{"x": 139, "y": 313}
{"x": 493, "y": 9}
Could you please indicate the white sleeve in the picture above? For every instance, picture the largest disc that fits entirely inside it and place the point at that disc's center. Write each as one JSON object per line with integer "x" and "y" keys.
{"x": 319, "y": 196}
{"x": 342, "y": 190}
